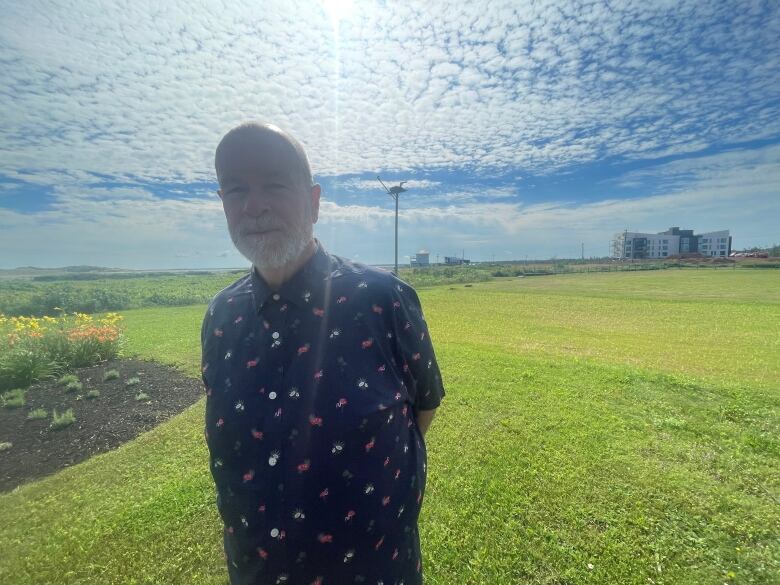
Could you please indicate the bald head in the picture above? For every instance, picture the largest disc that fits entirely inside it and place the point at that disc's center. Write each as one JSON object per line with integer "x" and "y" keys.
{"x": 253, "y": 143}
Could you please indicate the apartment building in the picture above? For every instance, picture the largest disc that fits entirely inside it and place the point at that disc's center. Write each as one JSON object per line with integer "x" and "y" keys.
{"x": 637, "y": 245}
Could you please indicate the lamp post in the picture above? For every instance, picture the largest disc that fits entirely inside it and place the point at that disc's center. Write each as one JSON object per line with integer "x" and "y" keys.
{"x": 394, "y": 192}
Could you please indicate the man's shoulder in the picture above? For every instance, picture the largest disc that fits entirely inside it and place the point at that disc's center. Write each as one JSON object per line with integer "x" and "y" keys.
{"x": 241, "y": 287}
{"x": 364, "y": 275}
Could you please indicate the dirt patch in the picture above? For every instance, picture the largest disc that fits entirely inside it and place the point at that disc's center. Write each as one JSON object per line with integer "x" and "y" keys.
{"x": 102, "y": 423}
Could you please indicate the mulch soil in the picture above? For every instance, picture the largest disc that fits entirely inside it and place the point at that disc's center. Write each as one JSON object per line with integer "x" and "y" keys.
{"x": 102, "y": 423}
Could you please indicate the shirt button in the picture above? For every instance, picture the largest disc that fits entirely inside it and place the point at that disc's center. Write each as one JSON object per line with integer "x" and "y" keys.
{"x": 272, "y": 395}
{"x": 275, "y": 335}
{"x": 274, "y": 532}
{"x": 276, "y": 296}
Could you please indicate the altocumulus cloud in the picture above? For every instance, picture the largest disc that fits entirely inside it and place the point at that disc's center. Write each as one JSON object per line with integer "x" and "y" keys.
{"x": 660, "y": 113}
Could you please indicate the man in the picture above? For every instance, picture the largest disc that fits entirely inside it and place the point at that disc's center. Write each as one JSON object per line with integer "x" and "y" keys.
{"x": 321, "y": 382}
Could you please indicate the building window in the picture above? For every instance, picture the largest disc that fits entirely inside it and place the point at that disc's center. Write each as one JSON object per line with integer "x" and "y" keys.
{"x": 665, "y": 253}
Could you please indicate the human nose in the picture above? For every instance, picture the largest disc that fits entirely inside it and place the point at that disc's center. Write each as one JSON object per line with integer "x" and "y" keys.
{"x": 256, "y": 203}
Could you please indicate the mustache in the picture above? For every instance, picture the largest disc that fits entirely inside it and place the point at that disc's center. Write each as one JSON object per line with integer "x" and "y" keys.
{"x": 261, "y": 226}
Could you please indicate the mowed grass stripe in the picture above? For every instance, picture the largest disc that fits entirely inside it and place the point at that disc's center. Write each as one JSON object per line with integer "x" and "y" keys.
{"x": 728, "y": 342}
{"x": 684, "y": 285}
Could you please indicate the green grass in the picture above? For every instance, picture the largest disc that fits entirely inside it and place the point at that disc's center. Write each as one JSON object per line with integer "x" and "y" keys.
{"x": 578, "y": 430}
{"x": 722, "y": 285}
{"x": 37, "y": 413}
{"x": 613, "y": 319}
{"x": 67, "y": 379}
{"x": 110, "y": 375}
{"x": 60, "y": 421}
{"x": 12, "y": 398}
{"x": 74, "y": 386}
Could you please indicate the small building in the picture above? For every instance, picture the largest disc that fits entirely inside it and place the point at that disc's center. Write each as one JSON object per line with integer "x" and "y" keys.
{"x": 454, "y": 260}
{"x": 422, "y": 258}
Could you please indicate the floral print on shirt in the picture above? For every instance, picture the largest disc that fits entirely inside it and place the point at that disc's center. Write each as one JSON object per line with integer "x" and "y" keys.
{"x": 312, "y": 394}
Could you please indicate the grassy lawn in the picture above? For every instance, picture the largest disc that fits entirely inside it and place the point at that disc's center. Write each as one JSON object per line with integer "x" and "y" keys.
{"x": 598, "y": 428}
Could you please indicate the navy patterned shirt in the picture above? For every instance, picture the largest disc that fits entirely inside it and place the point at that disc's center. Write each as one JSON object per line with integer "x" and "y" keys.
{"x": 312, "y": 394}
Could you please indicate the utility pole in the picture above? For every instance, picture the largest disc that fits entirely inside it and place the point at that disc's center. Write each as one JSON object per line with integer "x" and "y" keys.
{"x": 394, "y": 192}
{"x": 583, "y": 252}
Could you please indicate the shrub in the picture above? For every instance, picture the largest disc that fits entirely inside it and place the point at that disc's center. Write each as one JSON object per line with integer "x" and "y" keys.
{"x": 142, "y": 396}
{"x": 132, "y": 382}
{"x": 20, "y": 367}
{"x": 110, "y": 375}
{"x": 93, "y": 393}
{"x": 37, "y": 413}
{"x": 67, "y": 379}
{"x": 5, "y": 445}
{"x": 74, "y": 386}
{"x": 13, "y": 398}
{"x": 63, "y": 420}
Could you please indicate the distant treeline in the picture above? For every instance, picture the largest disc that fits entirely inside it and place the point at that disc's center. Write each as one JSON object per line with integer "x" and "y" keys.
{"x": 25, "y": 297}
{"x": 123, "y": 275}
{"x": 91, "y": 293}
{"x": 86, "y": 294}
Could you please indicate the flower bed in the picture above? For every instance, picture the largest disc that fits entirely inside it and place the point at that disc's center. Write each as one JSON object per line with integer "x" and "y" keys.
{"x": 34, "y": 348}
{"x": 53, "y": 427}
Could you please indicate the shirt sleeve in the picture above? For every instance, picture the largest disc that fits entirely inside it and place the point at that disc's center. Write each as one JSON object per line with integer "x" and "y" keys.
{"x": 203, "y": 350}
{"x": 415, "y": 348}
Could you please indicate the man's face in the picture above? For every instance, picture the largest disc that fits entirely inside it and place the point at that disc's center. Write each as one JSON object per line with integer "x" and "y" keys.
{"x": 269, "y": 207}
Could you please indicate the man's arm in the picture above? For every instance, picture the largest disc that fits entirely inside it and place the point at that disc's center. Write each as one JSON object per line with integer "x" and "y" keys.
{"x": 424, "y": 419}
{"x": 415, "y": 350}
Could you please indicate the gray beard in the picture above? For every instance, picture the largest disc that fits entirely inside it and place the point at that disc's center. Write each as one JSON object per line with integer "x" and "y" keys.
{"x": 274, "y": 250}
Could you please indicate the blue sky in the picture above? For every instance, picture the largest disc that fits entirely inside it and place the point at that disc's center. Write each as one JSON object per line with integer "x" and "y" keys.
{"x": 523, "y": 128}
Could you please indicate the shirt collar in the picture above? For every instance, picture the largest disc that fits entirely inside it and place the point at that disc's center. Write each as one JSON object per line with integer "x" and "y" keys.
{"x": 306, "y": 287}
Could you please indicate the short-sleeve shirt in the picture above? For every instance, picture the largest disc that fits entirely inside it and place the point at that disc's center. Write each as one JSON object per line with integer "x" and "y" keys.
{"x": 312, "y": 395}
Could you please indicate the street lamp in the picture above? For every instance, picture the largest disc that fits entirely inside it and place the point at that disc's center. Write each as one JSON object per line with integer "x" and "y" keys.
{"x": 394, "y": 192}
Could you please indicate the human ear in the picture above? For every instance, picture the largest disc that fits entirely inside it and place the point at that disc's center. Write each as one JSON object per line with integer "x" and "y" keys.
{"x": 316, "y": 191}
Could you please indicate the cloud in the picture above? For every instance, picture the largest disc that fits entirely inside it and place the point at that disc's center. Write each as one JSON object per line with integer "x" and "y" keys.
{"x": 372, "y": 185}
{"x": 537, "y": 87}
{"x": 113, "y": 122}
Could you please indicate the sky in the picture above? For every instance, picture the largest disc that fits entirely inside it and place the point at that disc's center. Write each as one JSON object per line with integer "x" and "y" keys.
{"x": 524, "y": 129}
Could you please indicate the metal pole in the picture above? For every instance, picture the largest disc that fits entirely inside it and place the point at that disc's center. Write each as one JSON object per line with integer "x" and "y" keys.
{"x": 394, "y": 193}
{"x": 396, "y": 235}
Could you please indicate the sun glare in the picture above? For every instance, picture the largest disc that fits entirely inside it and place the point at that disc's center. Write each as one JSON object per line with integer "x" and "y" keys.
{"x": 338, "y": 9}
